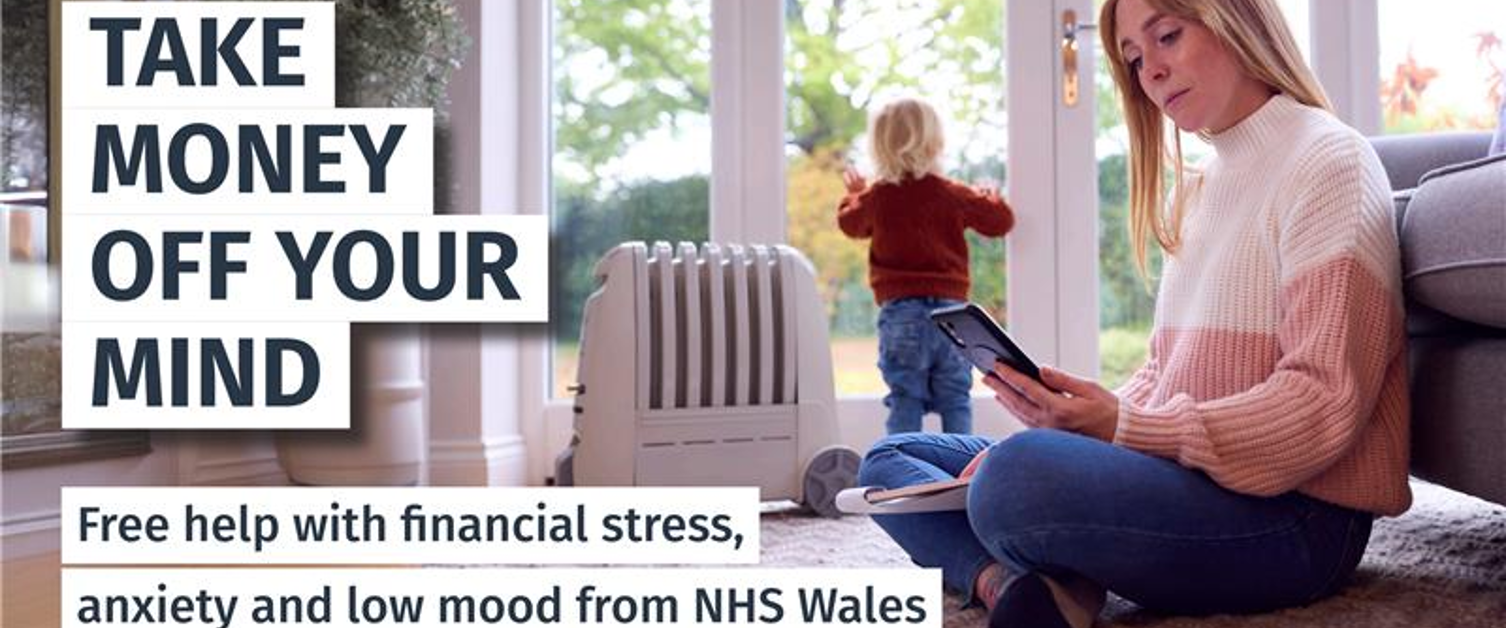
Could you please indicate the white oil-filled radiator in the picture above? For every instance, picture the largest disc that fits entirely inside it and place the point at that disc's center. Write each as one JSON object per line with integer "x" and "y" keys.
{"x": 707, "y": 366}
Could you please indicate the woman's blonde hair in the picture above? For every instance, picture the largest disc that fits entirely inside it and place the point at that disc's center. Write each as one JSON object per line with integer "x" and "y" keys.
{"x": 905, "y": 139}
{"x": 1255, "y": 32}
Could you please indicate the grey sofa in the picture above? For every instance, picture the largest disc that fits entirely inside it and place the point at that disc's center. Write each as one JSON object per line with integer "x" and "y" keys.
{"x": 1451, "y": 216}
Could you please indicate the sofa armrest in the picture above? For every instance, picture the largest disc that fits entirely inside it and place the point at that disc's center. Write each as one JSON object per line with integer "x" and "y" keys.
{"x": 1408, "y": 157}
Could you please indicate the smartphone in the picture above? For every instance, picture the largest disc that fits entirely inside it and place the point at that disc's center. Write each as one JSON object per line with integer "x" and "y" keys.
{"x": 981, "y": 340}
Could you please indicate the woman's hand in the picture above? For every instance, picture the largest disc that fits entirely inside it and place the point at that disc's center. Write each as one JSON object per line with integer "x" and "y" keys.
{"x": 1081, "y": 406}
{"x": 855, "y": 182}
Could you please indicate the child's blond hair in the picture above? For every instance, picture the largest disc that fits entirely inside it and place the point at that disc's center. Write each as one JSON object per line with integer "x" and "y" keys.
{"x": 905, "y": 139}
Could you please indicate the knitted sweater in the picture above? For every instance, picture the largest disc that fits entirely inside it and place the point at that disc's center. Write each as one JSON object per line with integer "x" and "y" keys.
{"x": 1277, "y": 362}
{"x": 917, "y": 226}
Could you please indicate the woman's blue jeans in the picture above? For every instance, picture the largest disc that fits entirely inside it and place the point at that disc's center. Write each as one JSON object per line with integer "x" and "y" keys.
{"x": 1152, "y": 531}
{"x": 925, "y": 373}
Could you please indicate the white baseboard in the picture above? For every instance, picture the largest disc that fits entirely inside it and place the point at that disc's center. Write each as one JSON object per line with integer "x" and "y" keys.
{"x": 260, "y": 470}
{"x": 492, "y": 462}
{"x": 30, "y": 534}
{"x": 37, "y": 532}
{"x": 215, "y": 460}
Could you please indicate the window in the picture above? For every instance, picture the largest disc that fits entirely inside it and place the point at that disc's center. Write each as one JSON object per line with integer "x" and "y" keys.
{"x": 630, "y": 80}
{"x": 1441, "y": 73}
{"x": 632, "y": 142}
{"x": 30, "y": 385}
{"x": 1299, "y": 19}
{"x": 1126, "y": 301}
{"x": 845, "y": 58}
{"x": 30, "y": 346}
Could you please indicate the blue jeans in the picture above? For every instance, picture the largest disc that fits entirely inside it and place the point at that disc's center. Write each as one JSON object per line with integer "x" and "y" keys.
{"x": 924, "y": 372}
{"x": 1152, "y": 531}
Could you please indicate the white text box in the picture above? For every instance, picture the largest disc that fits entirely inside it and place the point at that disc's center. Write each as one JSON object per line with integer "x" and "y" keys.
{"x": 431, "y": 525}
{"x": 87, "y": 54}
{"x": 114, "y": 269}
{"x": 227, "y": 161}
{"x": 165, "y": 368}
{"x": 523, "y": 597}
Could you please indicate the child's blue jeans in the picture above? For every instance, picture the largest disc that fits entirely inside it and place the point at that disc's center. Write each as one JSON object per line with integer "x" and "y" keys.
{"x": 924, "y": 372}
{"x": 1152, "y": 531}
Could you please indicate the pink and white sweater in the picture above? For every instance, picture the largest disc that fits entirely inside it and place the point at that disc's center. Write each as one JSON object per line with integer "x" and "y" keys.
{"x": 1278, "y": 357}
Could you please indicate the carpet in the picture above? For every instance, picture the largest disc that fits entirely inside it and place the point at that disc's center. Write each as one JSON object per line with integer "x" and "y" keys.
{"x": 1441, "y": 564}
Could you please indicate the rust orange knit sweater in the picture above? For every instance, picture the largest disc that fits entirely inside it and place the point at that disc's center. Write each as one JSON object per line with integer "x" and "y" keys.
{"x": 917, "y": 226}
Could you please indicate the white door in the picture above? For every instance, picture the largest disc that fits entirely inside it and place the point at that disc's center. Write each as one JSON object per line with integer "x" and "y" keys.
{"x": 1057, "y": 263}
{"x": 1012, "y": 122}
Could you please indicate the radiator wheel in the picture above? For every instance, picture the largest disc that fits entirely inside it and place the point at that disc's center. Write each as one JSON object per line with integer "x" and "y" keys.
{"x": 830, "y": 471}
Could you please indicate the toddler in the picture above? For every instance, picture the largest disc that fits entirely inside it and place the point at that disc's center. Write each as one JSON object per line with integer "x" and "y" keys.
{"x": 918, "y": 261}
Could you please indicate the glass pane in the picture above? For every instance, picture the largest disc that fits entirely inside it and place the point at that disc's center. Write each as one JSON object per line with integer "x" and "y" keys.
{"x": 1299, "y": 18}
{"x": 846, "y": 57}
{"x": 632, "y": 142}
{"x": 1441, "y": 73}
{"x": 1126, "y": 302}
{"x": 30, "y": 386}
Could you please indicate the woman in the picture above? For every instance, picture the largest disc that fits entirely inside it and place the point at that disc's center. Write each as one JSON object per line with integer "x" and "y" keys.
{"x": 1240, "y": 468}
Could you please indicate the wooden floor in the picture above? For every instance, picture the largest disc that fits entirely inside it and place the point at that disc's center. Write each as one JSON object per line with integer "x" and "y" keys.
{"x": 29, "y": 592}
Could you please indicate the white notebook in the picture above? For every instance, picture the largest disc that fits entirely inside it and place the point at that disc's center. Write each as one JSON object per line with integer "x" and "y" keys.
{"x": 929, "y": 497}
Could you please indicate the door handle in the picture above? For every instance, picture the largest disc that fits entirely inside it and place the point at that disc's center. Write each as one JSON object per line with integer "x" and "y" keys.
{"x": 1070, "y": 28}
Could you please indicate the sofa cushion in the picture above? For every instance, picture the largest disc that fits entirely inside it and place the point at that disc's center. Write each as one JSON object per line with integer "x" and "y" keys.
{"x": 1453, "y": 241}
{"x": 1423, "y": 321}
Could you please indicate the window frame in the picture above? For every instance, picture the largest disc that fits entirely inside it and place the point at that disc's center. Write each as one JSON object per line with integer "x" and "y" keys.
{"x": 747, "y": 173}
{"x": 1344, "y": 37}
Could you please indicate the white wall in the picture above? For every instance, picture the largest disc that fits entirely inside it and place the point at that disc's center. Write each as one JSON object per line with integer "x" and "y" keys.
{"x": 475, "y": 429}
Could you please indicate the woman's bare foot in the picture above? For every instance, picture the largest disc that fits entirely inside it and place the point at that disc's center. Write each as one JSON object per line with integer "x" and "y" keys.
{"x": 989, "y": 583}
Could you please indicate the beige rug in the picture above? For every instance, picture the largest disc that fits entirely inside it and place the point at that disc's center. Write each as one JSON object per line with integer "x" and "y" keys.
{"x": 1441, "y": 564}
